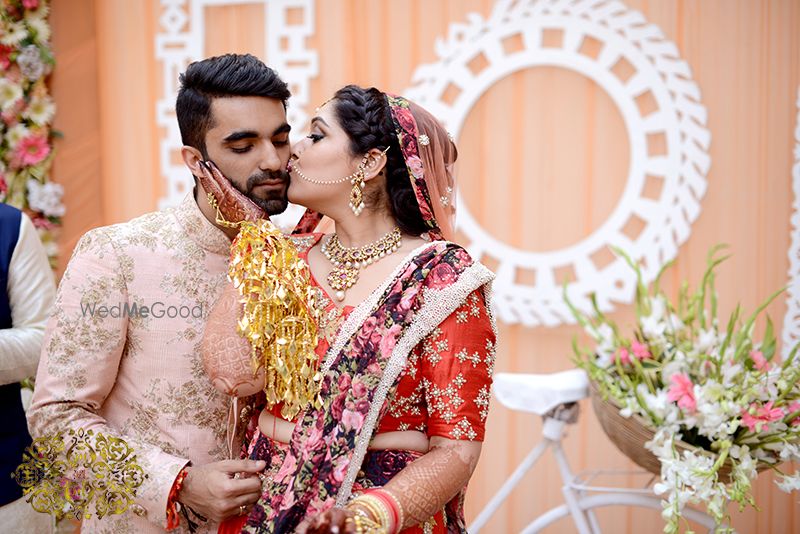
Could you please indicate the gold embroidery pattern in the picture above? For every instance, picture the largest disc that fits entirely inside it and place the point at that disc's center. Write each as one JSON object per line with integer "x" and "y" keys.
{"x": 482, "y": 401}
{"x": 407, "y": 405}
{"x": 471, "y": 307}
{"x": 64, "y": 474}
{"x": 434, "y": 345}
{"x": 463, "y": 428}
{"x": 491, "y": 352}
{"x": 445, "y": 401}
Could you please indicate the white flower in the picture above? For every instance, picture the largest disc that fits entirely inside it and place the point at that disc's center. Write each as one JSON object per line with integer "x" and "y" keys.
{"x": 653, "y": 327}
{"x": 40, "y": 110}
{"x": 730, "y": 373}
{"x": 10, "y": 93}
{"x": 14, "y": 33}
{"x": 46, "y": 198}
{"x": 30, "y": 62}
{"x": 16, "y": 133}
{"x": 789, "y": 483}
{"x": 790, "y": 452}
{"x": 706, "y": 340}
{"x": 605, "y": 345}
{"x": 41, "y": 27}
{"x": 657, "y": 403}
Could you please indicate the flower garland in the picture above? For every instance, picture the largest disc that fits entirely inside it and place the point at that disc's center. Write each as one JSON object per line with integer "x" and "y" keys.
{"x": 26, "y": 114}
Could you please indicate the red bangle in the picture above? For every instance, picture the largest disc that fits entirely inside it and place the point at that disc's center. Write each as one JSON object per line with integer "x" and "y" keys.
{"x": 392, "y": 504}
{"x": 173, "y": 506}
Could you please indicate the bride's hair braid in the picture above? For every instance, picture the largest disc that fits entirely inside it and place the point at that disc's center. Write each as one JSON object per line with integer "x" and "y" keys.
{"x": 365, "y": 116}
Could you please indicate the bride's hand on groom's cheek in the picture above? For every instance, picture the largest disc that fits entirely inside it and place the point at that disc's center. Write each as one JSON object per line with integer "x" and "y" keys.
{"x": 233, "y": 205}
{"x": 333, "y": 521}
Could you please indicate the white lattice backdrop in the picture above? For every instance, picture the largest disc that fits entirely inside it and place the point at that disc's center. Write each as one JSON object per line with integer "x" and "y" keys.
{"x": 624, "y": 34}
{"x": 680, "y": 117}
{"x": 791, "y": 323}
{"x": 181, "y": 40}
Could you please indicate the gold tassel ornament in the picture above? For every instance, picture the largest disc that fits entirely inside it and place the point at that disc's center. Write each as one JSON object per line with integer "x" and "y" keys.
{"x": 279, "y": 316}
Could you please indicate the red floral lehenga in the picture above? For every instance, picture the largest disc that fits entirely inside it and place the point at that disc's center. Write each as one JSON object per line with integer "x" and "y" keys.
{"x": 417, "y": 355}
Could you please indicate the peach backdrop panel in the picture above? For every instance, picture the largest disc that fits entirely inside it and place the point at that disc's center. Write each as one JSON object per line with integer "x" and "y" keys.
{"x": 543, "y": 161}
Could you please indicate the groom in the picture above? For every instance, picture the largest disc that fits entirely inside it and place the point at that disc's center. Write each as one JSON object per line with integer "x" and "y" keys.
{"x": 120, "y": 354}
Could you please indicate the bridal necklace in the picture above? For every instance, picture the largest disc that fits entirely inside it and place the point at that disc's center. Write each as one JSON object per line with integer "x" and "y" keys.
{"x": 347, "y": 261}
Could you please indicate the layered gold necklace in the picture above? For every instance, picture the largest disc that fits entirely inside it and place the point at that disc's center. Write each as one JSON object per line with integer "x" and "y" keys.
{"x": 347, "y": 261}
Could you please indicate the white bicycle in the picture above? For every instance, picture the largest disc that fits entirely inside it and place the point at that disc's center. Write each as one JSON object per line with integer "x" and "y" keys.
{"x": 555, "y": 398}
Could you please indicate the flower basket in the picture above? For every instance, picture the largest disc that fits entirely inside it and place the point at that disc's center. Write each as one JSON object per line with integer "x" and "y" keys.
{"x": 629, "y": 434}
{"x": 701, "y": 404}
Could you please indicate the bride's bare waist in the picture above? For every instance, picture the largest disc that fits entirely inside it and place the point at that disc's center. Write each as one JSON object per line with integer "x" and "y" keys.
{"x": 408, "y": 440}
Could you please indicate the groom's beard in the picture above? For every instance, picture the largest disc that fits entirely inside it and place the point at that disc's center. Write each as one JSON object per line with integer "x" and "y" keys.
{"x": 276, "y": 201}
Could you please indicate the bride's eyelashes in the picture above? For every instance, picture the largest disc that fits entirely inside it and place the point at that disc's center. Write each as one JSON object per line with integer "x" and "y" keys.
{"x": 315, "y": 137}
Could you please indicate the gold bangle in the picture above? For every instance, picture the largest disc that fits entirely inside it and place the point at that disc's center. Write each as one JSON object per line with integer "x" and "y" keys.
{"x": 363, "y": 507}
{"x": 365, "y": 525}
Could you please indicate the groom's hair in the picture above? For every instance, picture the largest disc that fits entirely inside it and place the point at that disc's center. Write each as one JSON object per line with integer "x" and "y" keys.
{"x": 220, "y": 77}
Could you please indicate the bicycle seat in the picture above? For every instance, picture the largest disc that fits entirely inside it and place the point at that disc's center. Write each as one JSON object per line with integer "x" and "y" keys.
{"x": 540, "y": 393}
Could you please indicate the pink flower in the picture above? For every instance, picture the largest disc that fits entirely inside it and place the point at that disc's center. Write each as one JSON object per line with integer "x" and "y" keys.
{"x": 682, "y": 390}
{"x": 352, "y": 420}
{"x": 624, "y": 355}
{"x": 415, "y": 166}
{"x": 640, "y": 350}
{"x": 359, "y": 389}
{"x": 344, "y": 381}
{"x": 5, "y": 57}
{"x": 407, "y": 299}
{"x": 338, "y": 404}
{"x": 30, "y": 5}
{"x": 287, "y": 468}
{"x": 338, "y": 472}
{"x": 759, "y": 361}
{"x": 315, "y": 438}
{"x": 441, "y": 276}
{"x": 31, "y": 150}
{"x": 757, "y": 417}
{"x": 389, "y": 340}
{"x": 369, "y": 337}
{"x": 38, "y": 222}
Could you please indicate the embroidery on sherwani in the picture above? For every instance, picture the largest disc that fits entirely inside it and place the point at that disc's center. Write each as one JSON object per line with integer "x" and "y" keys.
{"x": 361, "y": 372}
{"x": 183, "y": 256}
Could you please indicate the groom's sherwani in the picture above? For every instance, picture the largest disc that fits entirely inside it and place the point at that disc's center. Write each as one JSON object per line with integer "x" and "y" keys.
{"x": 109, "y": 365}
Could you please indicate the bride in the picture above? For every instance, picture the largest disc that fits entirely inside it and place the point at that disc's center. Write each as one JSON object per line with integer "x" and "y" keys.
{"x": 406, "y": 337}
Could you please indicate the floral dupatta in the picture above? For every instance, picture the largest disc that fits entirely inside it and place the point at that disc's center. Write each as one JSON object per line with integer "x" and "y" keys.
{"x": 361, "y": 371}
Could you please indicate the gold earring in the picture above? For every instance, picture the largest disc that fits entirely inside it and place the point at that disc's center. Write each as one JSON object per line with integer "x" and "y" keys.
{"x": 357, "y": 193}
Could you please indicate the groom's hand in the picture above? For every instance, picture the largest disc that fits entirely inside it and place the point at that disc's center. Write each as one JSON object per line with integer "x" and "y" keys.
{"x": 212, "y": 491}
{"x": 233, "y": 205}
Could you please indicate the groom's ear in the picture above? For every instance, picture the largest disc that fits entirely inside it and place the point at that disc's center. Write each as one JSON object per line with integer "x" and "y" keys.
{"x": 192, "y": 158}
{"x": 376, "y": 162}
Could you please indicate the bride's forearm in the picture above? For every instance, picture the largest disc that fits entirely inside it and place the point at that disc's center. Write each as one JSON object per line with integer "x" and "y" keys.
{"x": 423, "y": 487}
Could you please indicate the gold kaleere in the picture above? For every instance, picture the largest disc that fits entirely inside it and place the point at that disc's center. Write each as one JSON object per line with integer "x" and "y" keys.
{"x": 279, "y": 316}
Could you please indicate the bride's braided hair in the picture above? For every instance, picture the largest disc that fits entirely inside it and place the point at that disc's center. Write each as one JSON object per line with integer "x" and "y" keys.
{"x": 365, "y": 116}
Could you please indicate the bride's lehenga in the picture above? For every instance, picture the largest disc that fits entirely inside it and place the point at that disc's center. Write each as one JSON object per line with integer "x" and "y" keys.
{"x": 442, "y": 389}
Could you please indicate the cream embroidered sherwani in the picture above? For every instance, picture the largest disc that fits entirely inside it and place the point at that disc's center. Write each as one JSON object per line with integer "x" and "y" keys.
{"x": 138, "y": 377}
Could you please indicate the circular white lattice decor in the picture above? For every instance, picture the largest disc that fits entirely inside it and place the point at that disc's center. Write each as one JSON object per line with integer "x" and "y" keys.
{"x": 653, "y": 66}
